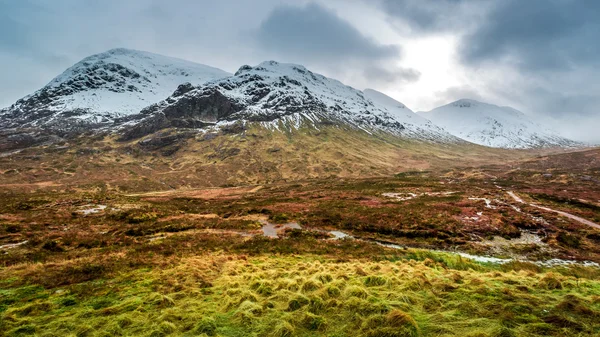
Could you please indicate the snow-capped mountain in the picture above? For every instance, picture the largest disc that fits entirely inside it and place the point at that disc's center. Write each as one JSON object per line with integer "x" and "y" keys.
{"x": 272, "y": 93}
{"x": 494, "y": 126}
{"x": 102, "y": 87}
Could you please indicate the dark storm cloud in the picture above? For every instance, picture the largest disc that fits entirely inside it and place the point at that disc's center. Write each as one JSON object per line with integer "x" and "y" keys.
{"x": 537, "y": 34}
{"x": 397, "y": 75}
{"x": 434, "y": 16}
{"x": 316, "y": 36}
{"x": 315, "y": 32}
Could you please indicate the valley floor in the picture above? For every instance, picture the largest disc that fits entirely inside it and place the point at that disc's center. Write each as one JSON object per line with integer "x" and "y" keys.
{"x": 335, "y": 257}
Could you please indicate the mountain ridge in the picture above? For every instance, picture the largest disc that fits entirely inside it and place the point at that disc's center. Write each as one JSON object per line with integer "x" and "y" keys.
{"x": 272, "y": 92}
{"x": 104, "y": 87}
{"x": 135, "y": 93}
{"x": 494, "y": 126}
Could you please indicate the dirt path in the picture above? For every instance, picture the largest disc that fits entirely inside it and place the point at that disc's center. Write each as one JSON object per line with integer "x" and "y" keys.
{"x": 565, "y": 214}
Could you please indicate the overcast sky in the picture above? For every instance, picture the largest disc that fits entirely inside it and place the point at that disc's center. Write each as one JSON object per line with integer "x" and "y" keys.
{"x": 539, "y": 56}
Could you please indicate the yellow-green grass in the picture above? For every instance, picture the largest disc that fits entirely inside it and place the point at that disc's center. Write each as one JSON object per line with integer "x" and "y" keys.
{"x": 256, "y": 156}
{"x": 218, "y": 294}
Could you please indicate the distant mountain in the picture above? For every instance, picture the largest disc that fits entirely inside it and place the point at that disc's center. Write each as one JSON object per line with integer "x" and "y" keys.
{"x": 494, "y": 126}
{"x": 103, "y": 88}
{"x": 277, "y": 95}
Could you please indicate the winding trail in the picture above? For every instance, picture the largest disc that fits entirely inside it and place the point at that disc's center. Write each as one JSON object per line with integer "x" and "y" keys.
{"x": 565, "y": 214}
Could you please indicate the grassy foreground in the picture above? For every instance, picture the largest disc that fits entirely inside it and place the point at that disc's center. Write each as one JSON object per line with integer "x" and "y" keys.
{"x": 391, "y": 293}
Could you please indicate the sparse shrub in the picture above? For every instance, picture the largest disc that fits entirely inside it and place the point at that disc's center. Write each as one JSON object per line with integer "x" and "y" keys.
{"x": 52, "y": 246}
{"x": 144, "y": 217}
{"x": 279, "y": 218}
{"x": 568, "y": 240}
{"x": 12, "y": 228}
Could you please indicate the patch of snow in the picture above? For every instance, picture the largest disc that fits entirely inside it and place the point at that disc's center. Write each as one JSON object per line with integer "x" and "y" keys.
{"x": 494, "y": 126}
{"x": 116, "y": 83}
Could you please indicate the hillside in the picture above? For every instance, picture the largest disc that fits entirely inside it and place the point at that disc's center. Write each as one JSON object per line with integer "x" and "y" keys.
{"x": 494, "y": 126}
{"x": 104, "y": 88}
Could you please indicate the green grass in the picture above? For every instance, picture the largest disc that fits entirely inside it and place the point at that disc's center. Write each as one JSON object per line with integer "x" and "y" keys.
{"x": 307, "y": 295}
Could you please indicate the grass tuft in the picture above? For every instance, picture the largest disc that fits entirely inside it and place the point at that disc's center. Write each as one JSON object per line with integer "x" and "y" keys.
{"x": 356, "y": 291}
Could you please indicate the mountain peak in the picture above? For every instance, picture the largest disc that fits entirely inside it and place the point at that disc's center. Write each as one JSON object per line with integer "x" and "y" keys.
{"x": 381, "y": 98}
{"x": 466, "y": 103}
{"x": 494, "y": 126}
{"x": 287, "y": 95}
{"x": 112, "y": 84}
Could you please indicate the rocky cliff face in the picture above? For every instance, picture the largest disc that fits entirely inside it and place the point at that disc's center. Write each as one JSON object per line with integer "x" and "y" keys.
{"x": 273, "y": 93}
{"x": 104, "y": 90}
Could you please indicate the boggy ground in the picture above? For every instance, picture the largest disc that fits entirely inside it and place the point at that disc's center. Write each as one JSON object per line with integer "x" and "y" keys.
{"x": 194, "y": 262}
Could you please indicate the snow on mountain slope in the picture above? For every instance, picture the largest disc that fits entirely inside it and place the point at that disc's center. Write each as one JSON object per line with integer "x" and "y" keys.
{"x": 101, "y": 87}
{"x": 273, "y": 92}
{"x": 399, "y": 110}
{"x": 494, "y": 126}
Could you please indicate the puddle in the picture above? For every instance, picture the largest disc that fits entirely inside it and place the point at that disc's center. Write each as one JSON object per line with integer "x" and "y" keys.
{"x": 409, "y": 196}
{"x": 488, "y": 202}
{"x": 337, "y": 235}
{"x": 92, "y": 209}
{"x": 270, "y": 230}
{"x": 497, "y": 260}
{"x": 13, "y": 245}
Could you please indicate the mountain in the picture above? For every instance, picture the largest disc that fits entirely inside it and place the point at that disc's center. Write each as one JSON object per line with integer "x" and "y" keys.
{"x": 105, "y": 88}
{"x": 494, "y": 126}
{"x": 284, "y": 95}
{"x": 139, "y": 121}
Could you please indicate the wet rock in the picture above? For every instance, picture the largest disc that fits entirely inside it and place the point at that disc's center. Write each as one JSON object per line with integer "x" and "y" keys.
{"x": 183, "y": 89}
{"x": 13, "y": 139}
{"x": 163, "y": 140}
{"x": 145, "y": 127}
{"x": 87, "y": 151}
{"x": 210, "y": 136}
{"x": 234, "y": 128}
{"x": 223, "y": 154}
